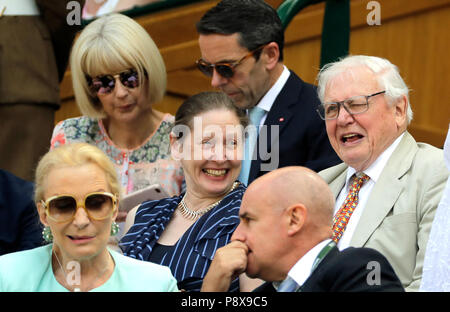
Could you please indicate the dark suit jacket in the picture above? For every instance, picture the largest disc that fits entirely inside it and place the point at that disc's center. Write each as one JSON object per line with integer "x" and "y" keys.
{"x": 350, "y": 270}
{"x": 302, "y": 139}
{"x": 20, "y": 228}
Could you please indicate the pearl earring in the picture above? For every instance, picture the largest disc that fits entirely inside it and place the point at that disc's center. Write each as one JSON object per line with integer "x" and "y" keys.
{"x": 114, "y": 228}
{"x": 47, "y": 234}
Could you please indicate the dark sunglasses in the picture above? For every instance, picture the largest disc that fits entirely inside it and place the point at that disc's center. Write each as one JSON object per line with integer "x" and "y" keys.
{"x": 224, "y": 69}
{"x": 98, "y": 206}
{"x": 105, "y": 84}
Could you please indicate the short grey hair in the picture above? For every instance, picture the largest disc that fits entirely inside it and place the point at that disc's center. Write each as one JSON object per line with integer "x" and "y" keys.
{"x": 387, "y": 74}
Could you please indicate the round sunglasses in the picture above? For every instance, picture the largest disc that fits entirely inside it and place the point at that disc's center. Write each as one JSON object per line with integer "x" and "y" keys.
{"x": 63, "y": 208}
{"x": 105, "y": 84}
{"x": 224, "y": 69}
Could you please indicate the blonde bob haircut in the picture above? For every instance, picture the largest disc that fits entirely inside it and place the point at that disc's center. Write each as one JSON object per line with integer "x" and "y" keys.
{"x": 74, "y": 155}
{"x": 109, "y": 45}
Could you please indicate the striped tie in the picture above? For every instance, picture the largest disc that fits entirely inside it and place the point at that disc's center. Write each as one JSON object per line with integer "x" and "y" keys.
{"x": 342, "y": 217}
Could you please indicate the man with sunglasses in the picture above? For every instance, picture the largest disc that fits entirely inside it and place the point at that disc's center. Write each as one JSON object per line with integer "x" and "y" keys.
{"x": 389, "y": 186}
{"x": 241, "y": 45}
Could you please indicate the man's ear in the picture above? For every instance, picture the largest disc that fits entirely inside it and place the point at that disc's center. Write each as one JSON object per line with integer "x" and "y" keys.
{"x": 271, "y": 55}
{"x": 42, "y": 214}
{"x": 401, "y": 108}
{"x": 296, "y": 215}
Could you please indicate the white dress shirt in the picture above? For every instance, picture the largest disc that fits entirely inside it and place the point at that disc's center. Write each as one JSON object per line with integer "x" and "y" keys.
{"x": 19, "y": 7}
{"x": 374, "y": 172}
{"x": 303, "y": 268}
{"x": 269, "y": 98}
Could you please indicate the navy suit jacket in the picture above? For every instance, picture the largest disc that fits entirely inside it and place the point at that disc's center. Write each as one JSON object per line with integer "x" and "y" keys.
{"x": 349, "y": 270}
{"x": 20, "y": 228}
{"x": 302, "y": 139}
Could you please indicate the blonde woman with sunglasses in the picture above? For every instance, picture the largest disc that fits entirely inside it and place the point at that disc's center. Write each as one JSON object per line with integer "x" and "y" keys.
{"x": 117, "y": 75}
{"x": 77, "y": 193}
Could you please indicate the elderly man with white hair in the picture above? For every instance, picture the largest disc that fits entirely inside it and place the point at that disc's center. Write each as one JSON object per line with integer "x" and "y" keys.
{"x": 388, "y": 186}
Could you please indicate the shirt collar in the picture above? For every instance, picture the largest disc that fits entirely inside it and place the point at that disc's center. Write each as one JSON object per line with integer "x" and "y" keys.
{"x": 302, "y": 269}
{"x": 269, "y": 98}
{"x": 375, "y": 169}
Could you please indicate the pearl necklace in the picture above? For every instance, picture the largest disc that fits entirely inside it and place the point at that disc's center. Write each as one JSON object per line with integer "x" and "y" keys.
{"x": 195, "y": 214}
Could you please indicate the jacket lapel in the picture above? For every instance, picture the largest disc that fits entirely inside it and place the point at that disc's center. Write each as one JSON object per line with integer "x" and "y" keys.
{"x": 312, "y": 283}
{"x": 386, "y": 191}
{"x": 338, "y": 179}
{"x": 278, "y": 116}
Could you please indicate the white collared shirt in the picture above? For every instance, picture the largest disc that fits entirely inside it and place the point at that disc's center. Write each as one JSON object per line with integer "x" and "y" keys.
{"x": 303, "y": 268}
{"x": 374, "y": 172}
{"x": 19, "y": 7}
{"x": 269, "y": 98}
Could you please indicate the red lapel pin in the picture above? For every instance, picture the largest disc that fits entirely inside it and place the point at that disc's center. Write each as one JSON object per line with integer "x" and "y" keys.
{"x": 281, "y": 119}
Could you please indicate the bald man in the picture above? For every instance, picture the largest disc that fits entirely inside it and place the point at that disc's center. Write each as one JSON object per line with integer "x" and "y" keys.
{"x": 284, "y": 239}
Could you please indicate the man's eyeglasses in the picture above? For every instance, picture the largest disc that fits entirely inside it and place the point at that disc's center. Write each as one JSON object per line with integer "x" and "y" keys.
{"x": 226, "y": 70}
{"x": 98, "y": 206}
{"x": 354, "y": 105}
{"x": 105, "y": 84}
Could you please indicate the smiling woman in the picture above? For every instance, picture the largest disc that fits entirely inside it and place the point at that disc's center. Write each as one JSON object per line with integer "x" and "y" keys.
{"x": 77, "y": 193}
{"x": 184, "y": 232}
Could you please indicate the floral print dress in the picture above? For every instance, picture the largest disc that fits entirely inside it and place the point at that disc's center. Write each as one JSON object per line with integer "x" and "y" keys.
{"x": 150, "y": 163}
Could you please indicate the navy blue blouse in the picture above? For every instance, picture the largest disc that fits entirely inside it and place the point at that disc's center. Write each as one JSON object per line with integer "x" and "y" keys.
{"x": 191, "y": 256}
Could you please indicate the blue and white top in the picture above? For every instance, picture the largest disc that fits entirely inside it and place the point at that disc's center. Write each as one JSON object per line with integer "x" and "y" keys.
{"x": 190, "y": 258}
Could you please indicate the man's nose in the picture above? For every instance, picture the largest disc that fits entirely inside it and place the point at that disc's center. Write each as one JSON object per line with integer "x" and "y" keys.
{"x": 344, "y": 116}
{"x": 238, "y": 234}
{"x": 217, "y": 80}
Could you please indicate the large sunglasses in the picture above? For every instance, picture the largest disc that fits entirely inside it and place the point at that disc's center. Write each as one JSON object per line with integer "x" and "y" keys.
{"x": 98, "y": 206}
{"x": 224, "y": 69}
{"x": 105, "y": 84}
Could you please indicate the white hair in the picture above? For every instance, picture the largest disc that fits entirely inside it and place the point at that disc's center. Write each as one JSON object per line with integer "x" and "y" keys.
{"x": 387, "y": 74}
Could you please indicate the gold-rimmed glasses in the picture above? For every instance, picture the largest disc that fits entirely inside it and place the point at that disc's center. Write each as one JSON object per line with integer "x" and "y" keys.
{"x": 98, "y": 206}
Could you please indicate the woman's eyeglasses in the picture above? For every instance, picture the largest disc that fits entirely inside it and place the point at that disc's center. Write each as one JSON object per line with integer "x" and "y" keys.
{"x": 105, "y": 84}
{"x": 98, "y": 206}
{"x": 226, "y": 70}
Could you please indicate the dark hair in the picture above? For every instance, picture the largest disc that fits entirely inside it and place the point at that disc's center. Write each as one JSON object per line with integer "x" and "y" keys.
{"x": 204, "y": 102}
{"x": 256, "y": 22}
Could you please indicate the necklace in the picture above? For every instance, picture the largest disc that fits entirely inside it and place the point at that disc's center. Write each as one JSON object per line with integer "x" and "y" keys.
{"x": 76, "y": 289}
{"x": 195, "y": 214}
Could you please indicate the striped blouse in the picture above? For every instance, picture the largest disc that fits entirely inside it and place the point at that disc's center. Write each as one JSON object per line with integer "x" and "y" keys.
{"x": 191, "y": 256}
